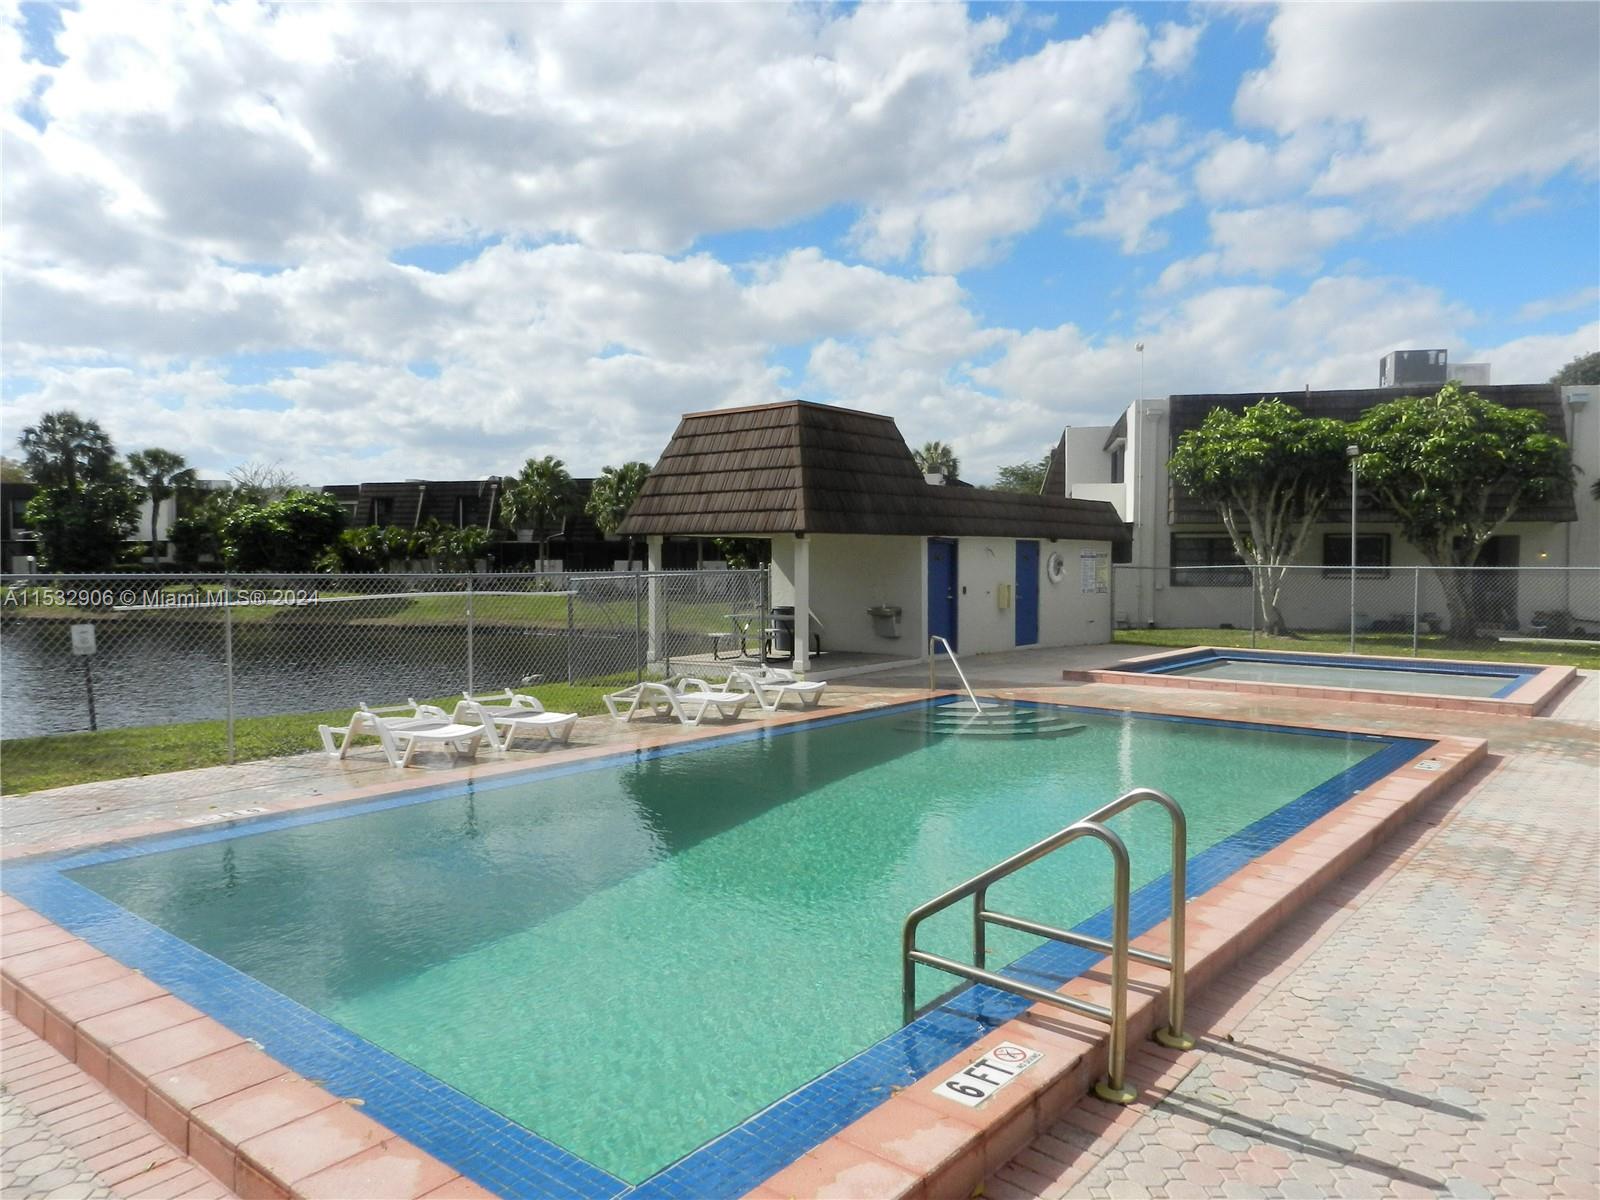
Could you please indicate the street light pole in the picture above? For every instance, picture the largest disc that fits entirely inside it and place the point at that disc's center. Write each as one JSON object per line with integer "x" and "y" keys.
{"x": 1353, "y": 453}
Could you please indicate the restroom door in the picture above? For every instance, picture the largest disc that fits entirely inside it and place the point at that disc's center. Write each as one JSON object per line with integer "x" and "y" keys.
{"x": 942, "y": 590}
{"x": 1027, "y": 603}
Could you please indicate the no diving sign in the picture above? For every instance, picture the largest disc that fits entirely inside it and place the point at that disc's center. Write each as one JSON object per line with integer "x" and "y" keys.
{"x": 974, "y": 1084}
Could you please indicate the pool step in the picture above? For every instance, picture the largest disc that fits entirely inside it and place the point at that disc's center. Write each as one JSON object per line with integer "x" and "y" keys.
{"x": 999, "y": 721}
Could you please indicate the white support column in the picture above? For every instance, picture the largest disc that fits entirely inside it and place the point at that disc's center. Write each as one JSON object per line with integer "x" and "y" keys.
{"x": 654, "y": 557}
{"x": 802, "y": 604}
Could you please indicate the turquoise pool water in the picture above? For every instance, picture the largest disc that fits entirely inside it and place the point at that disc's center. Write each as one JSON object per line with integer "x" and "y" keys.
{"x": 631, "y": 959}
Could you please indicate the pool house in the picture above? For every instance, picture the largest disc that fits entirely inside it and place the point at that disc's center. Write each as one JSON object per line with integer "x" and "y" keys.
{"x": 872, "y": 557}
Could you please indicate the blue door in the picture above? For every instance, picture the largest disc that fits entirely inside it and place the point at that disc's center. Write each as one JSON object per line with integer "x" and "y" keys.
{"x": 1027, "y": 605}
{"x": 942, "y": 590}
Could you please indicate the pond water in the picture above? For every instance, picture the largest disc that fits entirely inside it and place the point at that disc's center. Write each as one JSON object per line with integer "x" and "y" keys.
{"x": 175, "y": 671}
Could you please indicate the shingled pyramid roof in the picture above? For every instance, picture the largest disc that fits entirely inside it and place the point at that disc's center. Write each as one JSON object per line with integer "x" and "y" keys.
{"x": 802, "y": 467}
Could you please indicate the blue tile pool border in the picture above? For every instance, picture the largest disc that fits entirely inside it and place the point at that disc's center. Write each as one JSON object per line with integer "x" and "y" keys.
{"x": 1177, "y": 664}
{"x": 513, "y": 1161}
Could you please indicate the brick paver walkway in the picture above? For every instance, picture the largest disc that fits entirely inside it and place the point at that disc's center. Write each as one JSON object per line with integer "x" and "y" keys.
{"x": 1427, "y": 1028}
{"x": 67, "y": 1138}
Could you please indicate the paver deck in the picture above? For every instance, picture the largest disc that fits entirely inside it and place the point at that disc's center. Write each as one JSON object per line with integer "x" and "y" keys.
{"x": 1426, "y": 1028}
{"x": 67, "y": 1137}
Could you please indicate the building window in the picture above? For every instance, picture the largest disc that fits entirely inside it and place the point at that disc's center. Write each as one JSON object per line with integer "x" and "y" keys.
{"x": 463, "y": 512}
{"x": 382, "y": 506}
{"x": 1116, "y": 464}
{"x": 1200, "y": 559}
{"x": 1372, "y": 556}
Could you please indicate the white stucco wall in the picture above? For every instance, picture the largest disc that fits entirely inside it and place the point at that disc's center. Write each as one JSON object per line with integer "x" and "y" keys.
{"x": 851, "y": 573}
{"x": 1067, "y": 616}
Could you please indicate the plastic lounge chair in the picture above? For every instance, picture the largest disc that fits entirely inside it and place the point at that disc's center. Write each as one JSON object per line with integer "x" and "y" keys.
{"x": 513, "y": 713}
{"x": 401, "y": 735}
{"x": 687, "y": 699}
{"x": 770, "y": 686}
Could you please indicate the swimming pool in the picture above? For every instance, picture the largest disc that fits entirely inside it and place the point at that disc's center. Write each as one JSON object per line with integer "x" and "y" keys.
{"x": 1512, "y": 688}
{"x": 631, "y": 956}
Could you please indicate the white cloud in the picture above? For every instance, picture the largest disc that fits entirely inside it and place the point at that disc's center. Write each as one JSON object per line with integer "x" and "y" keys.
{"x": 1133, "y": 204}
{"x": 1533, "y": 359}
{"x": 1445, "y": 103}
{"x": 1263, "y": 241}
{"x": 1584, "y": 299}
{"x": 1173, "y": 48}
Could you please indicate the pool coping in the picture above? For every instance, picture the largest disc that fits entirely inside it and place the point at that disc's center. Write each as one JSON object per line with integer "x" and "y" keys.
{"x": 79, "y": 974}
{"x": 1530, "y": 699}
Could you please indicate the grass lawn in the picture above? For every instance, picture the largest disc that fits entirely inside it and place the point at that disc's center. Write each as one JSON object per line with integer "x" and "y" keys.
{"x": 32, "y": 764}
{"x": 1393, "y": 644}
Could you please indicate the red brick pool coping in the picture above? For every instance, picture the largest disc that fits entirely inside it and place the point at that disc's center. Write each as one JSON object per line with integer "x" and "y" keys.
{"x": 266, "y": 1132}
{"x": 1529, "y": 700}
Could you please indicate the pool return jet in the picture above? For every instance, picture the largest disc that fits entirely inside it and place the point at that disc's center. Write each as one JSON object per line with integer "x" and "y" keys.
{"x": 1113, "y": 1087}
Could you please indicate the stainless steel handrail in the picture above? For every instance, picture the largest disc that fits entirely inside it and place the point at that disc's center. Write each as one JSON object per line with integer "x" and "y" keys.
{"x": 977, "y": 887}
{"x": 1113, "y": 1087}
{"x": 962, "y": 675}
{"x": 1173, "y": 1035}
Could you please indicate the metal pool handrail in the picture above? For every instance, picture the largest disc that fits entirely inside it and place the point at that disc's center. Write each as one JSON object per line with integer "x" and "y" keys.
{"x": 1173, "y": 1034}
{"x": 950, "y": 651}
{"x": 1112, "y": 1088}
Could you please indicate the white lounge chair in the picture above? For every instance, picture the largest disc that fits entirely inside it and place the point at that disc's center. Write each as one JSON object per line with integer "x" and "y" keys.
{"x": 769, "y": 686}
{"x": 513, "y": 713}
{"x": 686, "y": 699}
{"x": 400, "y": 730}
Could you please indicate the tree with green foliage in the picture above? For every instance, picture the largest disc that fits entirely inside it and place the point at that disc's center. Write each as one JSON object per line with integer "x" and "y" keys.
{"x": 1585, "y": 368}
{"x": 936, "y": 458}
{"x": 1269, "y": 471}
{"x": 11, "y": 471}
{"x": 539, "y": 498}
{"x": 613, "y": 494}
{"x": 162, "y": 473}
{"x": 1453, "y": 468}
{"x": 288, "y": 535}
{"x": 85, "y": 506}
{"x": 1027, "y": 478}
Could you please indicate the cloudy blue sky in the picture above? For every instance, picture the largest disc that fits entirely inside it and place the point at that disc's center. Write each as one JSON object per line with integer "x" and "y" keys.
{"x": 408, "y": 240}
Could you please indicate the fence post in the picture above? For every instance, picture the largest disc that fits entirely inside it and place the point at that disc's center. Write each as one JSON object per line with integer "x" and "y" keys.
{"x": 569, "y": 632}
{"x": 1416, "y": 606}
{"x": 638, "y": 627}
{"x": 1255, "y": 602}
{"x": 227, "y": 654}
{"x": 471, "y": 664}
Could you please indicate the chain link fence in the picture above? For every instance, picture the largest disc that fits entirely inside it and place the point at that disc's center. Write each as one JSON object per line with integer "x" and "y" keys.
{"x": 1391, "y": 610}
{"x": 116, "y": 651}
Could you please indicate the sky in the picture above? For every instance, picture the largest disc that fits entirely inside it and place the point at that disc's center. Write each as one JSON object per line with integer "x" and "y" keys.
{"x": 392, "y": 241}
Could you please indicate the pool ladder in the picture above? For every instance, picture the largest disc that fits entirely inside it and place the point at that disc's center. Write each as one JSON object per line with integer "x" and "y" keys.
{"x": 1113, "y": 1087}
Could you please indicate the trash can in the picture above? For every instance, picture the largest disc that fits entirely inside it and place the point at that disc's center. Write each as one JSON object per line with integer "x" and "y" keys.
{"x": 780, "y": 640}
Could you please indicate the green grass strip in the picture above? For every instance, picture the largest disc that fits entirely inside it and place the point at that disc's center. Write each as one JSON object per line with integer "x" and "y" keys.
{"x": 34, "y": 763}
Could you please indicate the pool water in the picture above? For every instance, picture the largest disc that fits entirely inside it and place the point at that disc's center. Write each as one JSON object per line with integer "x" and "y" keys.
{"x": 1397, "y": 678}
{"x": 630, "y": 959}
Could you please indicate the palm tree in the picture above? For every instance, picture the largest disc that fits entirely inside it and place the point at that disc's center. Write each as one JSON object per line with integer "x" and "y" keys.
{"x": 162, "y": 473}
{"x": 937, "y": 458}
{"x": 540, "y": 497}
{"x": 613, "y": 495}
{"x": 66, "y": 451}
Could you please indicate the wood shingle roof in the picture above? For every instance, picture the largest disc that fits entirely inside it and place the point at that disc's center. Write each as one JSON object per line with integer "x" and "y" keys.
{"x": 814, "y": 468}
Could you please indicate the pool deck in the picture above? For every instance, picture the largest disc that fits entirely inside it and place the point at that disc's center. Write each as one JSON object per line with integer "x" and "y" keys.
{"x": 1268, "y": 1111}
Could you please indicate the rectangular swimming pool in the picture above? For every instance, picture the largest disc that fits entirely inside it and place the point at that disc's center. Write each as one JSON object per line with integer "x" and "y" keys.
{"x": 1510, "y": 689}
{"x": 1433, "y": 678}
{"x": 567, "y": 982}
